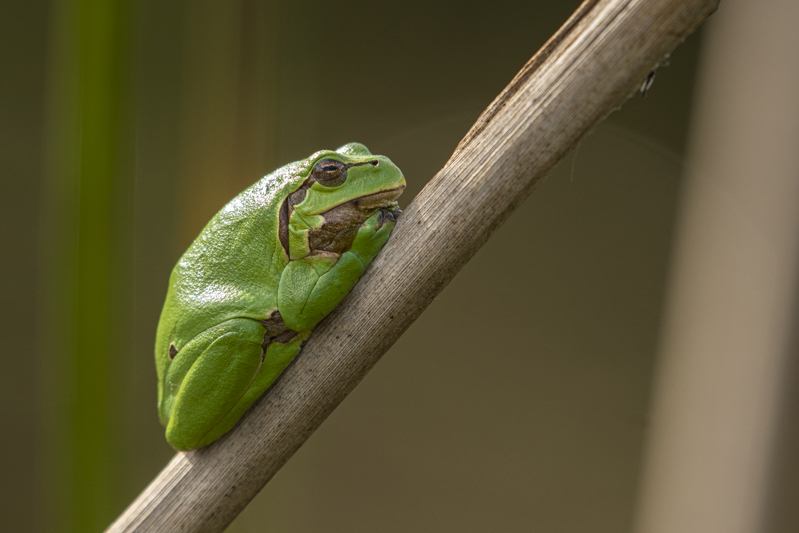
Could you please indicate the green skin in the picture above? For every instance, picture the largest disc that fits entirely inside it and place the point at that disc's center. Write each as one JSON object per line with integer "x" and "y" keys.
{"x": 265, "y": 270}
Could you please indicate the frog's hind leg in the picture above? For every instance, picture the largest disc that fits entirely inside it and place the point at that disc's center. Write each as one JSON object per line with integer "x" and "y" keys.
{"x": 279, "y": 355}
{"x": 210, "y": 374}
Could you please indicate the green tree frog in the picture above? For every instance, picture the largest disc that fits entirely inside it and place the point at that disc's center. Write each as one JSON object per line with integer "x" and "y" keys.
{"x": 265, "y": 270}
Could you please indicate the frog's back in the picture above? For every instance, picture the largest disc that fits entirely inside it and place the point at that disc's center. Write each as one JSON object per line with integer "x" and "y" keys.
{"x": 232, "y": 269}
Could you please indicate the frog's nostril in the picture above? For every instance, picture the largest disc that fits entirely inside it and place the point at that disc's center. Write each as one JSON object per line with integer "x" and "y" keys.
{"x": 375, "y": 162}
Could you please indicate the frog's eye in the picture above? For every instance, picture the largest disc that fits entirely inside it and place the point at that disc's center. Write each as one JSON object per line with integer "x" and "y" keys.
{"x": 330, "y": 173}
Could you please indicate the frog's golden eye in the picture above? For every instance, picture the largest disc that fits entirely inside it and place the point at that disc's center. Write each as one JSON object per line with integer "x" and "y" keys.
{"x": 330, "y": 173}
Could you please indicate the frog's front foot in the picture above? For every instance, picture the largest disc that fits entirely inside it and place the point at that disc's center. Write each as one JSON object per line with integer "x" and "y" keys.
{"x": 372, "y": 235}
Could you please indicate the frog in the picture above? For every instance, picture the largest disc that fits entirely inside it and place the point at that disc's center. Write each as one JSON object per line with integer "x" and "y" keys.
{"x": 266, "y": 269}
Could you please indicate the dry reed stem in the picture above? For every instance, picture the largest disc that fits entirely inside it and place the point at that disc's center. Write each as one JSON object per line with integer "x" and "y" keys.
{"x": 595, "y": 61}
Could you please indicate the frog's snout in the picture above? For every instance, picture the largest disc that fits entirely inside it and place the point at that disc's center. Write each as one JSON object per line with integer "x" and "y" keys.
{"x": 381, "y": 200}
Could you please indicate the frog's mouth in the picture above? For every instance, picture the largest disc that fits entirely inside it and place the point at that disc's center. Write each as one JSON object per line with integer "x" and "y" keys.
{"x": 379, "y": 200}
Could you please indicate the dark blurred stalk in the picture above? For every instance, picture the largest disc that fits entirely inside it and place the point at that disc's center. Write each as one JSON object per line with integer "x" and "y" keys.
{"x": 85, "y": 246}
{"x": 226, "y": 108}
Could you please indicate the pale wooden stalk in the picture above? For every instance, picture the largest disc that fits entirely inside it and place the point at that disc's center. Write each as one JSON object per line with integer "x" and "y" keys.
{"x": 586, "y": 70}
{"x": 730, "y": 319}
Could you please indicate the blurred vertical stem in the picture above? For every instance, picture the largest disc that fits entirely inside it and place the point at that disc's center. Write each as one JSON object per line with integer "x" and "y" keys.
{"x": 731, "y": 312}
{"x": 224, "y": 135}
{"x": 84, "y": 245}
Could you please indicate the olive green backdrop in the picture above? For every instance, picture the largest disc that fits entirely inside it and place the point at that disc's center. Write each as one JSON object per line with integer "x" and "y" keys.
{"x": 517, "y": 402}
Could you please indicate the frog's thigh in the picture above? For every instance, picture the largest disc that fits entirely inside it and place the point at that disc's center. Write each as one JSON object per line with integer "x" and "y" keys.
{"x": 304, "y": 297}
{"x": 217, "y": 380}
{"x": 278, "y": 357}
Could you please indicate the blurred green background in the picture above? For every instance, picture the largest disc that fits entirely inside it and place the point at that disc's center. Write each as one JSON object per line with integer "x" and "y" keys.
{"x": 127, "y": 125}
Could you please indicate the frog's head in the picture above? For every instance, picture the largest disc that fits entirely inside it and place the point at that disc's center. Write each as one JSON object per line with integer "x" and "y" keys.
{"x": 341, "y": 190}
{"x": 350, "y": 173}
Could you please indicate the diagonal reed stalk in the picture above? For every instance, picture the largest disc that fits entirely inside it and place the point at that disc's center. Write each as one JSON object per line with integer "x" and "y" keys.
{"x": 597, "y": 60}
